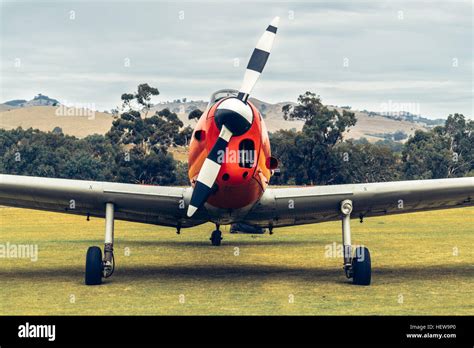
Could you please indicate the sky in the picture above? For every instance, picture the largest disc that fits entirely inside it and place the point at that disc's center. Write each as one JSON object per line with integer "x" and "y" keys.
{"x": 372, "y": 55}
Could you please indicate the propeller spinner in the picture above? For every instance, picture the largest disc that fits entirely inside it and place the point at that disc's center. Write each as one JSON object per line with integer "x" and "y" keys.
{"x": 233, "y": 117}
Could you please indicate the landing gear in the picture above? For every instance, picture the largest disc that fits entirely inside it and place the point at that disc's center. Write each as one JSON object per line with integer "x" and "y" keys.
{"x": 216, "y": 237}
{"x": 96, "y": 266}
{"x": 357, "y": 266}
{"x": 361, "y": 272}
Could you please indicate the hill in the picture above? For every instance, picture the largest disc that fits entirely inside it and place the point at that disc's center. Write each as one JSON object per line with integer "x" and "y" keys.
{"x": 39, "y": 100}
{"x": 77, "y": 122}
{"x": 370, "y": 126}
{"x": 40, "y": 113}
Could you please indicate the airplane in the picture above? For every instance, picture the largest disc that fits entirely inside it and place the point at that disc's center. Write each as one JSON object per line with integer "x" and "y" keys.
{"x": 230, "y": 166}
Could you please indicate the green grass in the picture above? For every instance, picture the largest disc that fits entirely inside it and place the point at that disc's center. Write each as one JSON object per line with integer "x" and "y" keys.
{"x": 412, "y": 257}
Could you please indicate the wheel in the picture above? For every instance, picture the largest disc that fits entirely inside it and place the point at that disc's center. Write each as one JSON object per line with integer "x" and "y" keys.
{"x": 361, "y": 267}
{"x": 216, "y": 237}
{"x": 94, "y": 266}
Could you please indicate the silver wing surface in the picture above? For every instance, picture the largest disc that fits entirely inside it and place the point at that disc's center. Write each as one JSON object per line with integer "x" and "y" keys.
{"x": 166, "y": 206}
{"x": 304, "y": 205}
{"x": 158, "y": 205}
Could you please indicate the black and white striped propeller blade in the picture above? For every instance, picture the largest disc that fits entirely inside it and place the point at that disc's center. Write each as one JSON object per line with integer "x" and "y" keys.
{"x": 258, "y": 59}
{"x": 233, "y": 117}
{"x": 208, "y": 173}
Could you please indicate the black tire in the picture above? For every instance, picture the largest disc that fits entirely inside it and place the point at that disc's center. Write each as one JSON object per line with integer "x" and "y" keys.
{"x": 361, "y": 267}
{"x": 216, "y": 238}
{"x": 94, "y": 266}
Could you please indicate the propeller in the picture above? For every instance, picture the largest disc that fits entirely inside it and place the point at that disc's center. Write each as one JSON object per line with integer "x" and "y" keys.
{"x": 233, "y": 116}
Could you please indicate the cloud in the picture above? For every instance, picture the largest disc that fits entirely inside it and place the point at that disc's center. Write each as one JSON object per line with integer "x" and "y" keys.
{"x": 402, "y": 50}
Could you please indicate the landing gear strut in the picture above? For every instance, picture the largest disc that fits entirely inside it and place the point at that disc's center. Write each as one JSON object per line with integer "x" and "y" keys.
{"x": 216, "y": 236}
{"x": 357, "y": 266}
{"x": 96, "y": 266}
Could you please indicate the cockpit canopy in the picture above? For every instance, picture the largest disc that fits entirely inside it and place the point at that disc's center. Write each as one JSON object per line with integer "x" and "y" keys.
{"x": 222, "y": 93}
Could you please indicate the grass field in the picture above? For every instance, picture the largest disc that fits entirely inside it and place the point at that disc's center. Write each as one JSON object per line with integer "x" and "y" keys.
{"x": 422, "y": 263}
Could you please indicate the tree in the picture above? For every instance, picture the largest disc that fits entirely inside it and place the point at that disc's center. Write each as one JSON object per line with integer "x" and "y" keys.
{"x": 181, "y": 174}
{"x": 57, "y": 130}
{"x": 399, "y": 135}
{"x": 134, "y": 150}
{"x": 425, "y": 156}
{"x": 444, "y": 152}
{"x": 142, "y": 97}
{"x": 195, "y": 114}
{"x": 184, "y": 136}
{"x": 364, "y": 162}
{"x": 146, "y": 140}
{"x": 291, "y": 161}
{"x": 459, "y": 136}
{"x": 322, "y": 131}
{"x": 155, "y": 133}
{"x": 32, "y": 152}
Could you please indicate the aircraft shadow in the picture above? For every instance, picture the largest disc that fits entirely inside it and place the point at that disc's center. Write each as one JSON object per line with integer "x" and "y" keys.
{"x": 207, "y": 244}
{"x": 241, "y": 272}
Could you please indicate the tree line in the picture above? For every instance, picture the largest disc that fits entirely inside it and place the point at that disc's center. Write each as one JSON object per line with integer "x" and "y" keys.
{"x": 318, "y": 154}
{"x": 137, "y": 149}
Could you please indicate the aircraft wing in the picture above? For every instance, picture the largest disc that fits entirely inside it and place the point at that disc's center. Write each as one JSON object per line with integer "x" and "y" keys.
{"x": 141, "y": 203}
{"x": 304, "y": 205}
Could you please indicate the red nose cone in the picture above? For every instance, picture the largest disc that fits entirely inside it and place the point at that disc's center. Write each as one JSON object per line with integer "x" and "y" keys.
{"x": 239, "y": 163}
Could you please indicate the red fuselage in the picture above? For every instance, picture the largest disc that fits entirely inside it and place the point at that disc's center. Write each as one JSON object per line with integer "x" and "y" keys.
{"x": 245, "y": 171}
